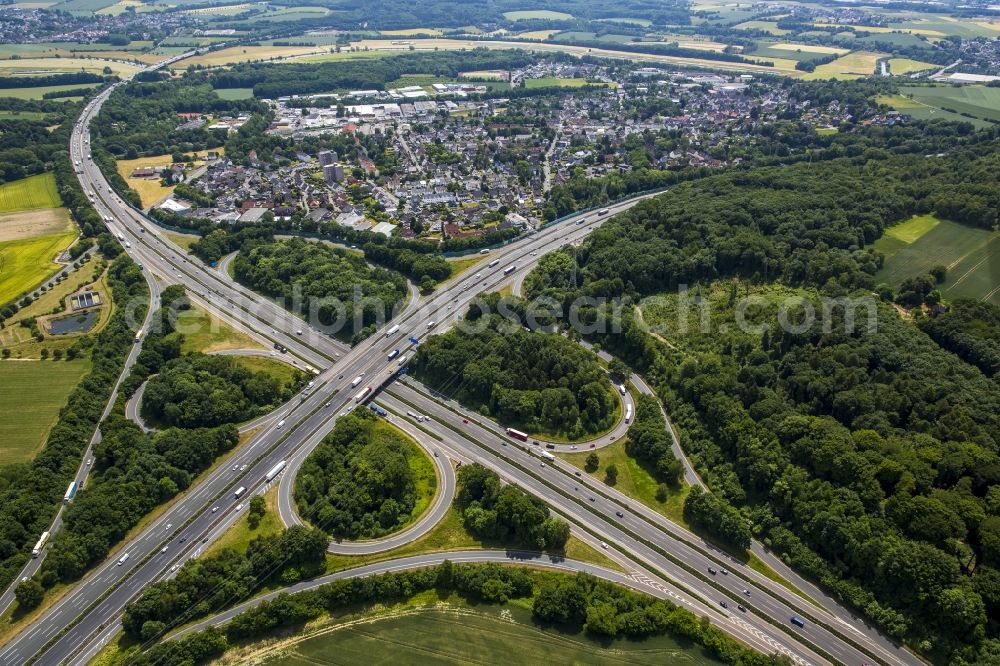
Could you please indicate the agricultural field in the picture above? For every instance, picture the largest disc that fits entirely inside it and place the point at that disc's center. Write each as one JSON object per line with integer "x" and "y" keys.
{"x": 43, "y": 66}
{"x": 26, "y": 263}
{"x": 235, "y": 54}
{"x": 234, "y": 93}
{"x": 409, "y": 32}
{"x": 906, "y": 66}
{"x": 645, "y": 23}
{"x": 551, "y": 81}
{"x": 220, "y": 10}
{"x": 921, "y": 111}
{"x": 22, "y": 115}
{"x": 854, "y": 65}
{"x": 980, "y": 101}
{"x": 32, "y": 393}
{"x": 794, "y": 52}
{"x": 83, "y": 7}
{"x": 37, "y": 93}
{"x": 381, "y": 47}
{"x": 537, "y": 34}
{"x": 971, "y": 255}
{"x": 28, "y": 193}
{"x": 580, "y": 36}
{"x": 455, "y": 633}
{"x": 886, "y": 30}
{"x": 687, "y": 42}
{"x": 537, "y": 14}
{"x": 770, "y": 27}
{"x": 952, "y": 26}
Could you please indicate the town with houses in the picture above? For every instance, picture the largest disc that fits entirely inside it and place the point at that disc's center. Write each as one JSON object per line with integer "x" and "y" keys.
{"x": 456, "y": 163}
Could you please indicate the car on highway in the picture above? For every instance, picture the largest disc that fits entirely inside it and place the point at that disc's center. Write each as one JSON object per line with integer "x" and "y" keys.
{"x": 724, "y": 604}
{"x": 619, "y": 514}
{"x": 712, "y": 571}
{"x": 724, "y": 572}
{"x": 577, "y": 473}
{"x": 214, "y": 509}
{"x": 742, "y": 608}
{"x": 604, "y": 545}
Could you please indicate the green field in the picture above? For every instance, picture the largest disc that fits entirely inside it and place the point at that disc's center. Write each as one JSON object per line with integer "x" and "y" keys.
{"x": 536, "y": 14}
{"x": 551, "y": 81}
{"x": 635, "y": 479}
{"x": 206, "y": 333}
{"x": 921, "y": 111}
{"x": 234, "y": 93}
{"x": 972, "y": 256}
{"x": 36, "y": 93}
{"x": 24, "y": 264}
{"x": 979, "y": 101}
{"x": 22, "y": 115}
{"x": 482, "y": 635}
{"x": 29, "y": 193}
{"x": 283, "y": 372}
{"x": 32, "y": 393}
{"x": 580, "y": 36}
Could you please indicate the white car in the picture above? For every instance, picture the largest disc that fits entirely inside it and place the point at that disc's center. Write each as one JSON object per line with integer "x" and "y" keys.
{"x": 214, "y": 509}
{"x": 604, "y": 545}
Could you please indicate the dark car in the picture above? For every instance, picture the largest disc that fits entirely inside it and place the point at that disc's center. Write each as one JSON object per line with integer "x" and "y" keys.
{"x": 619, "y": 514}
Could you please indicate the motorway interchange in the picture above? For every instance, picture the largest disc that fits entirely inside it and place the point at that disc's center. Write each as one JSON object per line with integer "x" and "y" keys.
{"x": 659, "y": 557}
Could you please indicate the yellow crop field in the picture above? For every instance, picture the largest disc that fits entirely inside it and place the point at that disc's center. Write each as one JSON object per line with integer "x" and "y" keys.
{"x": 24, "y": 264}
{"x": 905, "y": 65}
{"x": 28, "y": 193}
{"x": 235, "y": 54}
{"x": 854, "y": 65}
{"x": 43, "y": 66}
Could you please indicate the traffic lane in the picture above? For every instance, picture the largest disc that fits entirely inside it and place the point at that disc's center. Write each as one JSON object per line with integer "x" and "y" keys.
{"x": 607, "y": 511}
{"x": 575, "y": 514}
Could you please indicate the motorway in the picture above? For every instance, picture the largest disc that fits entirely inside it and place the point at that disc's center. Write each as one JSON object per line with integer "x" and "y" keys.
{"x": 78, "y": 624}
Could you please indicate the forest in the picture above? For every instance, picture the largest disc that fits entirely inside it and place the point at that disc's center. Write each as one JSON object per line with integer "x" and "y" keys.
{"x": 210, "y": 584}
{"x": 30, "y": 493}
{"x": 358, "y": 483}
{"x": 970, "y": 329}
{"x": 331, "y": 286}
{"x": 533, "y": 381}
{"x": 866, "y": 456}
{"x": 505, "y": 513}
{"x": 201, "y": 390}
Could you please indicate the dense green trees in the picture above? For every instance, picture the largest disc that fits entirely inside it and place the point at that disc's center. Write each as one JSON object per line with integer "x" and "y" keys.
{"x": 970, "y": 329}
{"x": 201, "y": 390}
{"x": 505, "y": 512}
{"x": 208, "y": 585}
{"x": 133, "y": 473}
{"x": 30, "y": 493}
{"x": 866, "y": 456}
{"x": 332, "y": 285}
{"x": 542, "y": 383}
{"x": 650, "y": 441}
{"x": 358, "y": 483}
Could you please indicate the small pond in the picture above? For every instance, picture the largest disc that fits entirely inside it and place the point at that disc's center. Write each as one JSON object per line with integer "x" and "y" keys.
{"x": 79, "y": 323}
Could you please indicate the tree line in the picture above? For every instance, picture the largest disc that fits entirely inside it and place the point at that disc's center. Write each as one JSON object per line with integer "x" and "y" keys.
{"x": 569, "y": 602}
{"x": 31, "y": 492}
{"x": 210, "y": 584}
{"x": 542, "y": 383}
{"x": 358, "y": 483}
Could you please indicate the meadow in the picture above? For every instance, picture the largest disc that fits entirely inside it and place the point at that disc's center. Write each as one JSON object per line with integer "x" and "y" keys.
{"x": 854, "y": 65}
{"x": 922, "y": 111}
{"x": 28, "y": 193}
{"x": 37, "y": 93}
{"x": 41, "y": 66}
{"x": 32, "y": 393}
{"x": 979, "y": 101}
{"x": 537, "y": 14}
{"x": 971, "y": 255}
